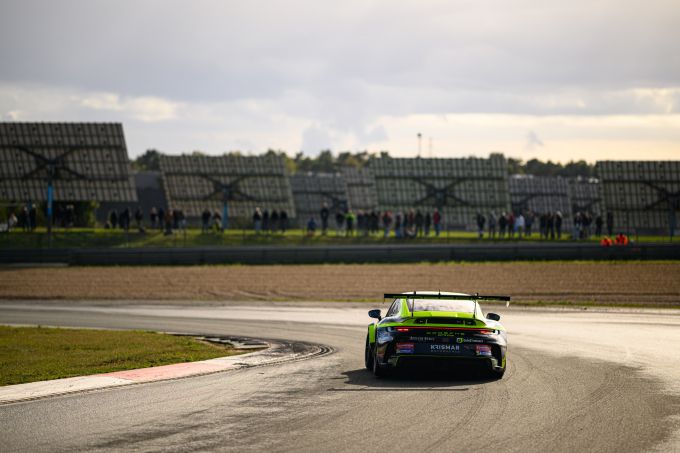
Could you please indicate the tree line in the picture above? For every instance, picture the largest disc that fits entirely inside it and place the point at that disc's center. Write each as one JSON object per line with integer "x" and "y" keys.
{"x": 328, "y": 162}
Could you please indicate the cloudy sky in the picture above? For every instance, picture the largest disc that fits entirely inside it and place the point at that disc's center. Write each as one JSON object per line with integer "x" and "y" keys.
{"x": 564, "y": 80}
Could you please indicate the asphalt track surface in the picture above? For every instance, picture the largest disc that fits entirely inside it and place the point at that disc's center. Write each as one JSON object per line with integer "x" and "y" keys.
{"x": 575, "y": 382}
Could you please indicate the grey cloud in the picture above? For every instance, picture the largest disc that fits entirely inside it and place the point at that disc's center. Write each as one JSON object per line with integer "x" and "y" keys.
{"x": 533, "y": 142}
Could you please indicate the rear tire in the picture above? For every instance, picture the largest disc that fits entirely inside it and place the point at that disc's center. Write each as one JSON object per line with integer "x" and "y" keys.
{"x": 378, "y": 370}
{"x": 368, "y": 355}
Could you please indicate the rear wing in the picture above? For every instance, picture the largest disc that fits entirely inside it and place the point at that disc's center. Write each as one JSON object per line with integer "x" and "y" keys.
{"x": 475, "y": 297}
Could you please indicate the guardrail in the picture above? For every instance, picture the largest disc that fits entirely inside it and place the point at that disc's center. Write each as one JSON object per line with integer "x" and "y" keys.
{"x": 340, "y": 254}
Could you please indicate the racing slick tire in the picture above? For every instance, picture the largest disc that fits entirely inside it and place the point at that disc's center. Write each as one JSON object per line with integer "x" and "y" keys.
{"x": 378, "y": 370}
{"x": 368, "y": 355}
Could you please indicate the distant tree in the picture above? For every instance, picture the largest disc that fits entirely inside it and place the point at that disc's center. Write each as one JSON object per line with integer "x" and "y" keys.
{"x": 579, "y": 168}
{"x": 149, "y": 161}
{"x": 539, "y": 168}
{"x": 515, "y": 166}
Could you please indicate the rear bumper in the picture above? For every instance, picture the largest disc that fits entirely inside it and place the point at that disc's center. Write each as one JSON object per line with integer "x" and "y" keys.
{"x": 454, "y": 352}
{"x": 443, "y": 362}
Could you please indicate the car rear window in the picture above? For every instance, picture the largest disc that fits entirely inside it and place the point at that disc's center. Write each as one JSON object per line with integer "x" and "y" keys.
{"x": 460, "y": 306}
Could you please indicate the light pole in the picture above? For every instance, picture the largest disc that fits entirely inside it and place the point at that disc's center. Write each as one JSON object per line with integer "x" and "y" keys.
{"x": 420, "y": 139}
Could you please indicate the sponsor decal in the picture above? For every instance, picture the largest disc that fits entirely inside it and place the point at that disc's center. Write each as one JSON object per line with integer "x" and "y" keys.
{"x": 405, "y": 348}
{"x": 484, "y": 350}
{"x": 444, "y": 333}
{"x": 421, "y": 338}
{"x": 445, "y": 347}
{"x": 468, "y": 340}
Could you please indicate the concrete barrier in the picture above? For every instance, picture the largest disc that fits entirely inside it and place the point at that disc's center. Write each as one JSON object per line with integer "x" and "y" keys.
{"x": 341, "y": 254}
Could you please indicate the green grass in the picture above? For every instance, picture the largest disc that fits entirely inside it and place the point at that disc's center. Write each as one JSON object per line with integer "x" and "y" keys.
{"x": 97, "y": 238}
{"x": 30, "y": 354}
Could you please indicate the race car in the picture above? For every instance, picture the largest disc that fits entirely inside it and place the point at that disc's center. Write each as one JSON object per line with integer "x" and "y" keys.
{"x": 426, "y": 326}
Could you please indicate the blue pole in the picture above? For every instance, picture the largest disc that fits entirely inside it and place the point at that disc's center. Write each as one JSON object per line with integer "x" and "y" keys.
{"x": 49, "y": 202}
{"x": 225, "y": 216}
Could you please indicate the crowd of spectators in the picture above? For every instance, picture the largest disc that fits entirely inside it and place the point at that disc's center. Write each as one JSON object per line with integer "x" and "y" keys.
{"x": 164, "y": 220}
{"x": 419, "y": 223}
{"x": 266, "y": 222}
{"x": 550, "y": 225}
{"x": 411, "y": 223}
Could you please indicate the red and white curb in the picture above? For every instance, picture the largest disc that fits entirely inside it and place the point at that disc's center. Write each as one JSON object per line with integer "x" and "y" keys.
{"x": 277, "y": 352}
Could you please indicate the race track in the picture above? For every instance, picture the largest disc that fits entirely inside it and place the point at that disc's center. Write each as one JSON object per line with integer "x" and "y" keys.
{"x": 576, "y": 381}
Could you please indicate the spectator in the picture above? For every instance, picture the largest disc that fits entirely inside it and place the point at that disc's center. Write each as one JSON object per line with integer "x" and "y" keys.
{"x": 339, "y": 222}
{"x": 257, "y": 220}
{"x": 361, "y": 221}
{"x": 585, "y": 224}
{"x": 529, "y": 222}
{"x": 12, "y": 221}
{"x": 610, "y": 223}
{"x": 576, "y": 228}
{"x": 217, "y": 220}
{"x": 205, "y": 221}
{"x": 481, "y": 220}
{"x": 23, "y": 218}
{"x": 182, "y": 221}
{"x": 283, "y": 221}
{"x": 265, "y": 220}
{"x": 436, "y": 221}
{"x": 323, "y": 214}
{"x": 161, "y": 218}
{"x": 113, "y": 219}
{"x": 558, "y": 224}
{"x": 550, "y": 225}
{"x": 168, "y": 220}
{"x": 153, "y": 215}
{"x": 138, "y": 219}
{"x": 542, "y": 225}
{"x": 598, "y": 225}
{"x": 124, "y": 219}
{"x": 419, "y": 223}
{"x": 520, "y": 222}
{"x": 375, "y": 222}
{"x": 398, "y": 226}
{"x": 387, "y": 221}
{"x": 502, "y": 224}
{"x": 427, "y": 223}
{"x": 274, "y": 221}
{"x": 349, "y": 221}
{"x": 311, "y": 226}
{"x": 492, "y": 225}
{"x": 175, "y": 219}
{"x": 410, "y": 224}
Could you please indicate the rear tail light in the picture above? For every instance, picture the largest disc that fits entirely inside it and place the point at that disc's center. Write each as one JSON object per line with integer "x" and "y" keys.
{"x": 402, "y": 329}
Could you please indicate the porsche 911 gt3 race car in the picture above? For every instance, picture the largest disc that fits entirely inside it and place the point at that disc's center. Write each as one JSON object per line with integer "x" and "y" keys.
{"x": 430, "y": 326}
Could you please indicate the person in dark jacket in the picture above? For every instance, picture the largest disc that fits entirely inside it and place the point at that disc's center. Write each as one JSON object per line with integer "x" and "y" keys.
{"x": 324, "y": 214}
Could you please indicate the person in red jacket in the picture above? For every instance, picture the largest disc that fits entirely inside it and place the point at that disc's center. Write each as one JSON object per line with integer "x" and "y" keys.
{"x": 436, "y": 221}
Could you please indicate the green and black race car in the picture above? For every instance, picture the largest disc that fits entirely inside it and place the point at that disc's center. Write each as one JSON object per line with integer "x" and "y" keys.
{"x": 429, "y": 326}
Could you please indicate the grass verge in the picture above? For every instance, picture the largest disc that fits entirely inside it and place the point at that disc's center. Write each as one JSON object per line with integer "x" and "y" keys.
{"x": 102, "y": 238}
{"x": 30, "y": 354}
